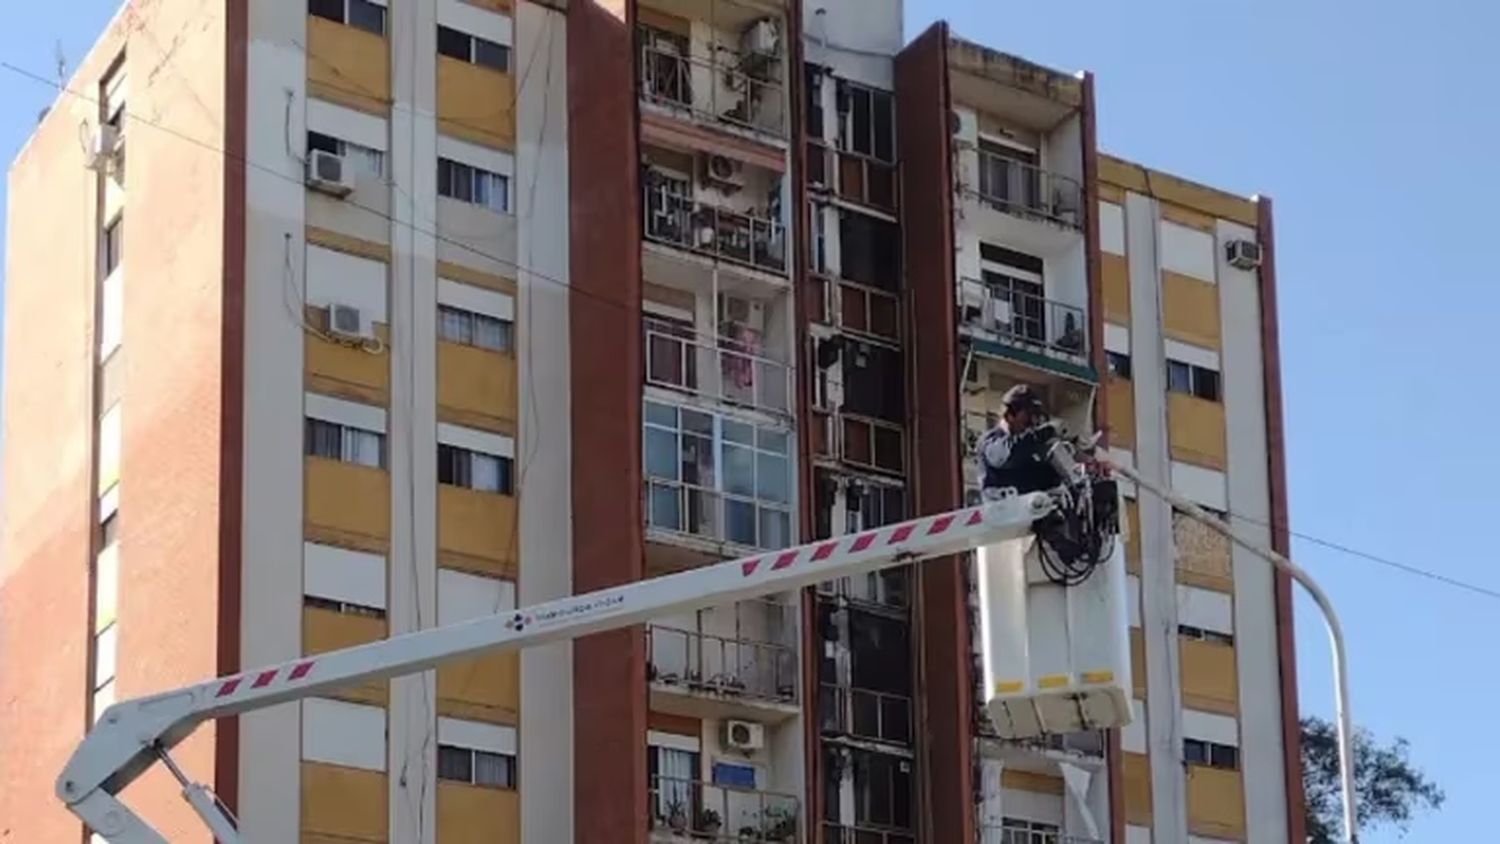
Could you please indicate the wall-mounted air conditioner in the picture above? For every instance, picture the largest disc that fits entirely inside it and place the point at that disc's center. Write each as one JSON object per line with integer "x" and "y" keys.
{"x": 1243, "y": 254}
{"x": 761, "y": 37}
{"x": 329, "y": 173}
{"x": 743, "y": 735}
{"x": 348, "y": 321}
{"x": 103, "y": 144}
{"x": 748, "y": 313}
{"x": 723, "y": 172}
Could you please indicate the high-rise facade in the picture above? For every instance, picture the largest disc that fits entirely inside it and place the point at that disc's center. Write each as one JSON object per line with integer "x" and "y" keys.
{"x": 435, "y": 308}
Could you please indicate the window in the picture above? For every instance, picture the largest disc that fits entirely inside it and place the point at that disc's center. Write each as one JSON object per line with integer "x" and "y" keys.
{"x": 1193, "y": 380}
{"x": 1187, "y": 631}
{"x": 474, "y": 469}
{"x": 109, "y": 530}
{"x": 114, "y": 245}
{"x": 342, "y": 607}
{"x": 1018, "y": 831}
{"x": 870, "y": 251}
{"x": 814, "y": 82}
{"x": 360, "y": 14}
{"x": 472, "y": 329}
{"x": 473, "y": 185}
{"x": 372, "y": 160}
{"x": 472, "y": 49}
{"x": 867, "y": 121}
{"x": 346, "y": 443}
{"x": 1210, "y": 754}
{"x": 882, "y": 790}
{"x": 672, "y": 775}
{"x": 717, "y": 477}
{"x": 476, "y": 767}
{"x": 1119, "y": 364}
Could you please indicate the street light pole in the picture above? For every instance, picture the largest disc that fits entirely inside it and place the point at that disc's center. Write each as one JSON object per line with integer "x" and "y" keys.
{"x": 1330, "y": 618}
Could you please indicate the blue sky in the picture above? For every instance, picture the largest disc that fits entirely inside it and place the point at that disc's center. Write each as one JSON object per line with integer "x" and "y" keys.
{"x": 1388, "y": 292}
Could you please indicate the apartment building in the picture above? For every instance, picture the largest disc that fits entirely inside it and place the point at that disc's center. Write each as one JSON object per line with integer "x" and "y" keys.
{"x": 438, "y": 307}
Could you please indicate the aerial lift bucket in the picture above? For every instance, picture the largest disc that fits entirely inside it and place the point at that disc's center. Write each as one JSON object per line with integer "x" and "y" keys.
{"x": 1056, "y": 658}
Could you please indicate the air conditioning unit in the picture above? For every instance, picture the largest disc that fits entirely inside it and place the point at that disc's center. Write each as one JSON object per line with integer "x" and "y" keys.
{"x": 749, "y": 313}
{"x": 103, "y": 145}
{"x": 348, "y": 321}
{"x": 1243, "y": 254}
{"x": 761, "y": 37}
{"x": 329, "y": 173}
{"x": 743, "y": 735}
{"x": 724, "y": 171}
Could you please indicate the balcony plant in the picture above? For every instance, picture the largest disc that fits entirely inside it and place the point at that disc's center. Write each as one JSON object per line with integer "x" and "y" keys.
{"x": 709, "y": 821}
{"x": 677, "y": 819}
{"x": 780, "y": 824}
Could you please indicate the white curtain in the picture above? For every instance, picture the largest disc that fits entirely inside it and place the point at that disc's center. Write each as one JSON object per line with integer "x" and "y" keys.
{"x": 362, "y": 447}
{"x": 491, "y": 333}
{"x": 484, "y": 472}
{"x": 676, "y": 770}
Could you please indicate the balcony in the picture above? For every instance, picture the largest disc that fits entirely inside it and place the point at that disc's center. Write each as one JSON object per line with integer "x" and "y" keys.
{"x": 836, "y": 834}
{"x": 676, "y": 220}
{"x": 865, "y": 714}
{"x": 693, "y": 810}
{"x": 1026, "y": 190}
{"x": 853, "y": 177}
{"x": 856, "y": 308}
{"x": 1023, "y": 833}
{"x": 721, "y": 369}
{"x": 1006, "y": 319}
{"x": 704, "y": 675}
{"x": 739, "y": 91}
{"x": 861, "y": 441}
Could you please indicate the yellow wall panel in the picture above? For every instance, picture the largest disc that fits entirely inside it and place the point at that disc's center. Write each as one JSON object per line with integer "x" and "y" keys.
{"x": 348, "y": 65}
{"x": 1115, "y": 273}
{"x": 478, "y": 385}
{"x": 328, "y": 630}
{"x": 1138, "y": 662}
{"x": 347, "y": 499}
{"x": 1121, "y": 398}
{"x": 343, "y": 804}
{"x": 338, "y": 369}
{"x": 1137, "y": 776}
{"x": 1216, "y": 802}
{"x": 1209, "y": 682}
{"x": 487, "y": 688}
{"x": 492, "y": 5}
{"x": 1203, "y": 555}
{"x": 470, "y": 814}
{"x": 1031, "y": 781}
{"x": 1190, "y": 310}
{"x": 477, "y": 531}
{"x": 1133, "y": 537}
{"x": 476, "y": 103}
{"x": 1177, "y": 190}
{"x": 1196, "y": 431}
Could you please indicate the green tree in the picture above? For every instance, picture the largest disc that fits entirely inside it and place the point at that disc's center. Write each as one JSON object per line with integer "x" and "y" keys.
{"x": 1389, "y": 788}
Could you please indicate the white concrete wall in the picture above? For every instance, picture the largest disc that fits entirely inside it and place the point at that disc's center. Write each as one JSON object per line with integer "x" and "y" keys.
{"x": 856, "y": 38}
{"x": 1249, "y": 499}
{"x": 1158, "y": 570}
{"x": 544, "y": 465}
{"x": 272, "y": 570}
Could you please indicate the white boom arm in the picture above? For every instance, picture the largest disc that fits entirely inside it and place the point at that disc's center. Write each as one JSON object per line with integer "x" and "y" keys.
{"x": 134, "y": 734}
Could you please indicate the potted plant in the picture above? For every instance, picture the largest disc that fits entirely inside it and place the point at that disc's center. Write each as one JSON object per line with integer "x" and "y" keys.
{"x": 780, "y": 824}
{"x": 709, "y": 821}
{"x": 677, "y": 818}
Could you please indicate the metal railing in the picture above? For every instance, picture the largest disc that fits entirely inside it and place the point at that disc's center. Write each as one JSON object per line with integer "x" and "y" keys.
{"x": 865, "y": 714}
{"x": 1019, "y": 834}
{"x": 836, "y": 834}
{"x": 1025, "y": 319}
{"x": 677, "y": 220}
{"x": 719, "y": 368}
{"x": 732, "y": 668}
{"x": 705, "y": 811}
{"x": 889, "y": 589}
{"x": 853, "y": 176}
{"x": 744, "y": 93}
{"x": 1027, "y": 190}
{"x": 691, "y": 510}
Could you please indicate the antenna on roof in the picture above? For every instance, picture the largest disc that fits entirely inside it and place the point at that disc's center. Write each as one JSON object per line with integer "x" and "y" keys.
{"x": 61, "y": 60}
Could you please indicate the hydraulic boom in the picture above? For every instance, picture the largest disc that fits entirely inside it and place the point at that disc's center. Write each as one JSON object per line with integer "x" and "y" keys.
{"x": 133, "y": 735}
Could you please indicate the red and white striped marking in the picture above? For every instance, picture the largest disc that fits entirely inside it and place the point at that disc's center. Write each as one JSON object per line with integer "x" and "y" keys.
{"x": 856, "y": 543}
{"x": 263, "y": 679}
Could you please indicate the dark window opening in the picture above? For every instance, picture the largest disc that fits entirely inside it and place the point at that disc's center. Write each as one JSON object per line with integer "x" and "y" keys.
{"x": 874, "y": 386}
{"x": 867, "y": 122}
{"x": 870, "y": 251}
{"x": 1193, "y": 380}
{"x": 1119, "y": 364}
{"x": 1210, "y": 754}
{"x": 114, "y": 245}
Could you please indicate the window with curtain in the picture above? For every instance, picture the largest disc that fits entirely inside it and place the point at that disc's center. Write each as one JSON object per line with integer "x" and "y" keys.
{"x": 371, "y": 160}
{"x": 476, "y": 767}
{"x": 345, "y": 443}
{"x": 473, "y": 185}
{"x": 474, "y": 469}
{"x": 673, "y": 774}
{"x": 457, "y": 325}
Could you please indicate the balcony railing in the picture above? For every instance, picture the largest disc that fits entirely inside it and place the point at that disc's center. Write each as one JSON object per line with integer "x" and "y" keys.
{"x": 731, "y": 668}
{"x": 706, "y": 811}
{"x": 677, "y": 220}
{"x": 718, "y": 368}
{"x": 865, "y": 714}
{"x": 1015, "y": 834}
{"x": 856, "y": 307}
{"x": 690, "y": 510}
{"x": 853, "y": 177}
{"x": 1026, "y": 190}
{"x": 744, "y": 93}
{"x": 889, "y": 589}
{"x": 1026, "y": 320}
{"x": 836, "y": 834}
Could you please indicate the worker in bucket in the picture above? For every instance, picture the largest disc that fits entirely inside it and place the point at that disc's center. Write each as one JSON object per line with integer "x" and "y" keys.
{"x": 1010, "y": 455}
